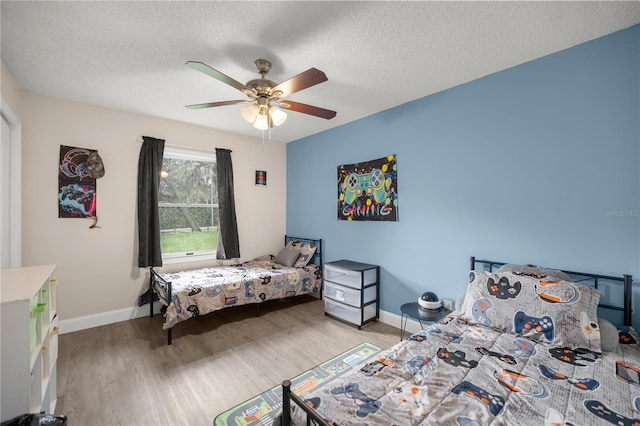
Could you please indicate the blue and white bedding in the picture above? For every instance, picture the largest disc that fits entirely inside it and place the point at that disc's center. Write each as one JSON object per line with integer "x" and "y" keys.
{"x": 522, "y": 350}
{"x": 198, "y": 292}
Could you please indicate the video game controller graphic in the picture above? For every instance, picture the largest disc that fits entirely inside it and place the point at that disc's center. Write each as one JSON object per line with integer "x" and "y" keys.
{"x": 636, "y": 403}
{"x": 529, "y": 274}
{"x": 479, "y": 312}
{"x": 503, "y": 289}
{"x": 625, "y": 338}
{"x": 418, "y": 365}
{"x": 590, "y": 329}
{"x": 557, "y": 292}
{"x": 628, "y": 373}
{"x": 524, "y": 348}
{"x": 456, "y": 358}
{"x": 418, "y": 337}
{"x": 466, "y": 421}
{"x": 212, "y": 291}
{"x": 372, "y": 183}
{"x": 365, "y": 404}
{"x": 494, "y": 402}
{"x": 194, "y": 310}
{"x": 602, "y": 411}
{"x": 194, "y": 291}
{"x": 455, "y": 338}
{"x": 265, "y": 279}
{"x": 248, "y": 289}
{"x": 572, "y": 356}
{"x": 520, "y": 383}
{"x": 507, "y": 359}
{"x": 583, "y": 383}
{"x": 376, "y": 366}
{"x": 523, "y": 322}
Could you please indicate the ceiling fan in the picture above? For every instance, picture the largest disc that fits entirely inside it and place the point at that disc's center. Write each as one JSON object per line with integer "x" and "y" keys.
{"x": 265, "y": 101}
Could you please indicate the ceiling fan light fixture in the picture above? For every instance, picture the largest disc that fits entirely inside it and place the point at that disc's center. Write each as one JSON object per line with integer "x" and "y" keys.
{"x": 250, "y": 112}
{"x": 264, "y": 109}
{"x": 277, "y": 115}
{"x": 262, "y": 122}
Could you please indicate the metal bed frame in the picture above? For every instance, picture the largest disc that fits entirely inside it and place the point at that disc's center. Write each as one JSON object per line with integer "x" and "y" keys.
{"x": 626, "y": 280}
{"x": 163, "y": 291}
{"x": 313, "y": 418}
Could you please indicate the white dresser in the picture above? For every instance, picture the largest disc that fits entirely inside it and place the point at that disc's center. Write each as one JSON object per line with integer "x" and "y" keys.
{"x": 29, "y": 351}
{"x": 351, "y": 291}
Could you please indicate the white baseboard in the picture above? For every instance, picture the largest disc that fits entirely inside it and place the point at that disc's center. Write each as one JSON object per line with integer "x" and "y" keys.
{"x": 111, "y": 317}
{"x": 105, "y": 318}
{"x": 393, "y": 320}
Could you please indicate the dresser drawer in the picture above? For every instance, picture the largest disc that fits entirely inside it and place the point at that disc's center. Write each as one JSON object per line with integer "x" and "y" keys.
{"x": 349, "y": 313}
{"x": 353, "y": 279}
{"x": 349, "y": 295}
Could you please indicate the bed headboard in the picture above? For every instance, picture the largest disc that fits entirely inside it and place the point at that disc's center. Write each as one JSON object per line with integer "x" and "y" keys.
{"x": 317, "y": 257}
{"x": 583, "y": 277}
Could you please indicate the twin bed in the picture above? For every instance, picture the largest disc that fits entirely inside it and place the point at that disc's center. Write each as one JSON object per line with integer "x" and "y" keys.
{"x": 527, "y": 346}
{"x": 295, "y": 270}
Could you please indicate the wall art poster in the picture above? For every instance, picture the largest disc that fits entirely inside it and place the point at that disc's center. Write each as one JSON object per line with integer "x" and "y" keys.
{"x": 261, "y": 177}
{"x": 76, "y": 188}
{"x": 368, "y": 190}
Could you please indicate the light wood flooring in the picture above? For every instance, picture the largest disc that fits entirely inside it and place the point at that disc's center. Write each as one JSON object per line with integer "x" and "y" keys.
{"x": 126, "y": 374}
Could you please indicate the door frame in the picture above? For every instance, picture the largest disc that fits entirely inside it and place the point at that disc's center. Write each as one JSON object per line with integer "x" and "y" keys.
{"x": 15, "y": 191}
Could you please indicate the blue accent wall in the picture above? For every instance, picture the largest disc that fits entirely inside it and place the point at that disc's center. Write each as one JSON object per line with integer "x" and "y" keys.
{"x": 539, "y": 163}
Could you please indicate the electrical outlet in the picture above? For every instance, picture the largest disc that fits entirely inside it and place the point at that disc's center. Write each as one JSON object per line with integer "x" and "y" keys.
{"x": 448, "y": 304}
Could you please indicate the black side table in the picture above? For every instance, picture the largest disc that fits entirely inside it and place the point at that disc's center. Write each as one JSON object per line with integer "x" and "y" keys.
{"x": 413, "y": 310}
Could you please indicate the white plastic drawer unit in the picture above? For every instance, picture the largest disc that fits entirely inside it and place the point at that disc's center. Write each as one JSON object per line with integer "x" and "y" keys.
{"x": 350, "y": 296}
{"x": 351, "y": 291}
{"x": 350, "y": 278}
{"x": 349, "y": 313}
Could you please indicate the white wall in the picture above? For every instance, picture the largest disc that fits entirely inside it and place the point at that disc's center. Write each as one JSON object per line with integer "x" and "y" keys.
{"x": 97, "y": 269}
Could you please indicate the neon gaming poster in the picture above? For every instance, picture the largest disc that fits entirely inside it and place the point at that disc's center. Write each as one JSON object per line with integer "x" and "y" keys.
{"x": 76, "y": 188}
{"x": 368, "y": 191}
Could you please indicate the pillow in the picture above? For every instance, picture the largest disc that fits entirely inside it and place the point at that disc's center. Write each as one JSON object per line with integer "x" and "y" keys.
{"x": 609, "y": 337}
{"x": 305, "y": 251}
{"x": 286, "y": 257}
{"x": 268, "y": 257}
{"x": 536, "y": 271}
{"x": 560, "y": 312}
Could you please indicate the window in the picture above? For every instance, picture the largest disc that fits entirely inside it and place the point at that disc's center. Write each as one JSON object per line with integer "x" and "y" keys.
{"x": 188, "y": 205}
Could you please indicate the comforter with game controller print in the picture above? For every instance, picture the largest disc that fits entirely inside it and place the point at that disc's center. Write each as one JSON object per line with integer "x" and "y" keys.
{"x": 454, "y": 373}
{"x": 198, "y": 292}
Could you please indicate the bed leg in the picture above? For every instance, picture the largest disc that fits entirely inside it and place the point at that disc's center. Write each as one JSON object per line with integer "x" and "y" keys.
{"x": 286, "y": 403}
{"x": 628, "y": 310}
{"x": 151, "y": 290}
{"x": 169, "y": 336}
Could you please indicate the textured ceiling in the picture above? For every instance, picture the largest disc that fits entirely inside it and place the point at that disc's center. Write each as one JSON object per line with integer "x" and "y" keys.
{"x": 131, "y": 55}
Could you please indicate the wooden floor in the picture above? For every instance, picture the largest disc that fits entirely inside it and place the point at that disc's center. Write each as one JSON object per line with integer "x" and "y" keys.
{"x": 126, "y": 374}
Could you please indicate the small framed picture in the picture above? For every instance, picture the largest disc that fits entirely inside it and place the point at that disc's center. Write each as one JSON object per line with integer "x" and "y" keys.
{"x": 261, "y": 178}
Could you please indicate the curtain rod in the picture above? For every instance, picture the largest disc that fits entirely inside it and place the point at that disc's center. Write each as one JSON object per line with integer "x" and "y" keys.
{"x": 183, "y": 147}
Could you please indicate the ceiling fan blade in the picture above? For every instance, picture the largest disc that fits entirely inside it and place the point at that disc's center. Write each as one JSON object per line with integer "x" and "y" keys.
{"x": 305, "y": 79}
{"x": 215, "y": 104}
{"x": 199, "y": 66}
{"x": 308, "y": 109}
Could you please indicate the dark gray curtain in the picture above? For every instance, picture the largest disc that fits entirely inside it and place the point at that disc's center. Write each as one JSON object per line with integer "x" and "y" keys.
{"x": 149, "y": 168}
{"x": 228, "y": 244}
